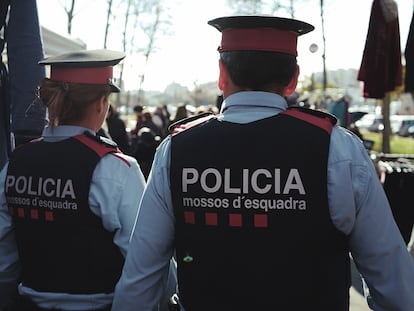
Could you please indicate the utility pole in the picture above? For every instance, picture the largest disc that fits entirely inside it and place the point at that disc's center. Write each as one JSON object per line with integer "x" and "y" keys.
{"x": 324, "y": 84}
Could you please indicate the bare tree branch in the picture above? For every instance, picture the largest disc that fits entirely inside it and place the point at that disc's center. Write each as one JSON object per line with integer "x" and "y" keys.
{"x": 262, "y": 6}
{"x": 108, "y": 16}
{"x": 151, "y": 29}
{"x": 246, "y": 6}
{"x": 70, "y": 14}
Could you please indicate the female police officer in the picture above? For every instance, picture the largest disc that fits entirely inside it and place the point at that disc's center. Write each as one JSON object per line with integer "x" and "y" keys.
{"x": 69, "y": 199}
{"x": 263, "y": 204}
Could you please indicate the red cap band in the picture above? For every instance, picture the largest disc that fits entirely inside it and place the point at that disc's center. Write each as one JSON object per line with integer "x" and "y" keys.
{"x": 87, "y": 75}
{"x": 259, "y": 39}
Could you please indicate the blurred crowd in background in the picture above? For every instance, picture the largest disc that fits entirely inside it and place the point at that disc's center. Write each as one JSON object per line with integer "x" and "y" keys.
{"x": 141, "y": 136}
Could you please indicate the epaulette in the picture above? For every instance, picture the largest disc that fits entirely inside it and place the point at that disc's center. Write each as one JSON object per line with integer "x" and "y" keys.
{"x": 186, "y": 123}
{"x": 318, "y": 118}
{"x": 317, "y": 113}
{"x": 104, "y": 140}
{"x": 100, "y": 145}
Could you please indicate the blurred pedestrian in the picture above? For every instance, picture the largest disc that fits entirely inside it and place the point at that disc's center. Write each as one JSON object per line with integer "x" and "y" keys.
{"x": 68, "y": 199}
{"x": 161, "y": 119}
{"x": 263, "y": 204}
{"x": 117, "y": 130}
{"x": 138, "y": 109}
{"x": 180, "y": 113}
{"x": 149, "y": 122}
{"x": 146, "y": 144}
{"x": 219, "y": 101}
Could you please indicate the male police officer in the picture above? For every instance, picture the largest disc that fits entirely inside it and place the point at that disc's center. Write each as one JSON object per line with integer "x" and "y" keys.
{"x": 262, "y": 204}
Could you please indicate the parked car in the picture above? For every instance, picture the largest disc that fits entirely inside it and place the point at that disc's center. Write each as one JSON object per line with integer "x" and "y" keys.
{"x": 374, "y": 123}
{"x": 410, "y": 131}
{"x": 370, "y": 122}
{"x": 404, "y": 124}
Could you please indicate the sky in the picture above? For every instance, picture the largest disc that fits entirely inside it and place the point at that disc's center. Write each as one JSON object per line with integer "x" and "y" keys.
{"x": 188, "y": 56}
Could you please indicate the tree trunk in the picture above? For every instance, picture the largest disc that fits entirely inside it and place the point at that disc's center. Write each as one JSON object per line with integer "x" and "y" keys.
{"x": 69, "y": 13}
{"x": 386, "y": 133}
{"x": 324, "y": 79}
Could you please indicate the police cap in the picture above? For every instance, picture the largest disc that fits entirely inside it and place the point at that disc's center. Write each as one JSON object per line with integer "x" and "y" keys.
{"x": 85, "y": 67}
{"x": 260, "y": 33}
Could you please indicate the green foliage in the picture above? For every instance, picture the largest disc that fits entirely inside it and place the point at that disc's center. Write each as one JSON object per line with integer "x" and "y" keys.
{"x": 398, "y": 144}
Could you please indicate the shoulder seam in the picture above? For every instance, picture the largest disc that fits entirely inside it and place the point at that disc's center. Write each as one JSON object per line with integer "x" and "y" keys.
{"x": 320, "y": 119}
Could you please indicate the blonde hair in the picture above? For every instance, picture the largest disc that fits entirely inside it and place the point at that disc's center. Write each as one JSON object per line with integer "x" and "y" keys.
{"x": 67, "y": 102}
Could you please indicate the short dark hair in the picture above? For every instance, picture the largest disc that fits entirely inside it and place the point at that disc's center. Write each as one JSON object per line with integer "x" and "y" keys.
{"x": 138, "y": 108}
{"x": 258, "y": 70}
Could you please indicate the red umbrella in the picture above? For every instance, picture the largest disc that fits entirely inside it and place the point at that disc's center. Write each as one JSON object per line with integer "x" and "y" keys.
{"x": 381, "y": 68}
{"x": 409, "y": 59}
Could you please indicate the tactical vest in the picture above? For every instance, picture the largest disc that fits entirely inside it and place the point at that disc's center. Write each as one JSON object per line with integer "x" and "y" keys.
{"x": 62, "y": 245}
{"x": 253, "y": 229}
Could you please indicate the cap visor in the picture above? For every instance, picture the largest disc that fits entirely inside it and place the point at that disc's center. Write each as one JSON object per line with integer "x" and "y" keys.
{"x": 114, "y": 88}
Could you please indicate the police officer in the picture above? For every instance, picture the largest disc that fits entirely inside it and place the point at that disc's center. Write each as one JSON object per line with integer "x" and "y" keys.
{"x": 262, "y": 204}
{"x": 69, "y": 199}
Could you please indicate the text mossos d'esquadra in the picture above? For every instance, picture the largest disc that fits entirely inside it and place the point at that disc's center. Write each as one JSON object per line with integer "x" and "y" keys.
{"x": 30, "y": 189}
{"x": 212, "y": 180}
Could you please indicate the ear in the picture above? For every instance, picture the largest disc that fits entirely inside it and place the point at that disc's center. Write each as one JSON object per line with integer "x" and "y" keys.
{"x": 223, "y": 79}
{"x": 102, "y": 104}
{"x": 291, "y": 87}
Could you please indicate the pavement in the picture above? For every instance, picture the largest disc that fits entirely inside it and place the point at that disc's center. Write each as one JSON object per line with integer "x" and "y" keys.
{"x": 357, "y": 300}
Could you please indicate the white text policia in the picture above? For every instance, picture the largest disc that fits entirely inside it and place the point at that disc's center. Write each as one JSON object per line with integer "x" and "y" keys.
{"x": 49, "y": 187}
{"x": 250, "y": 180}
